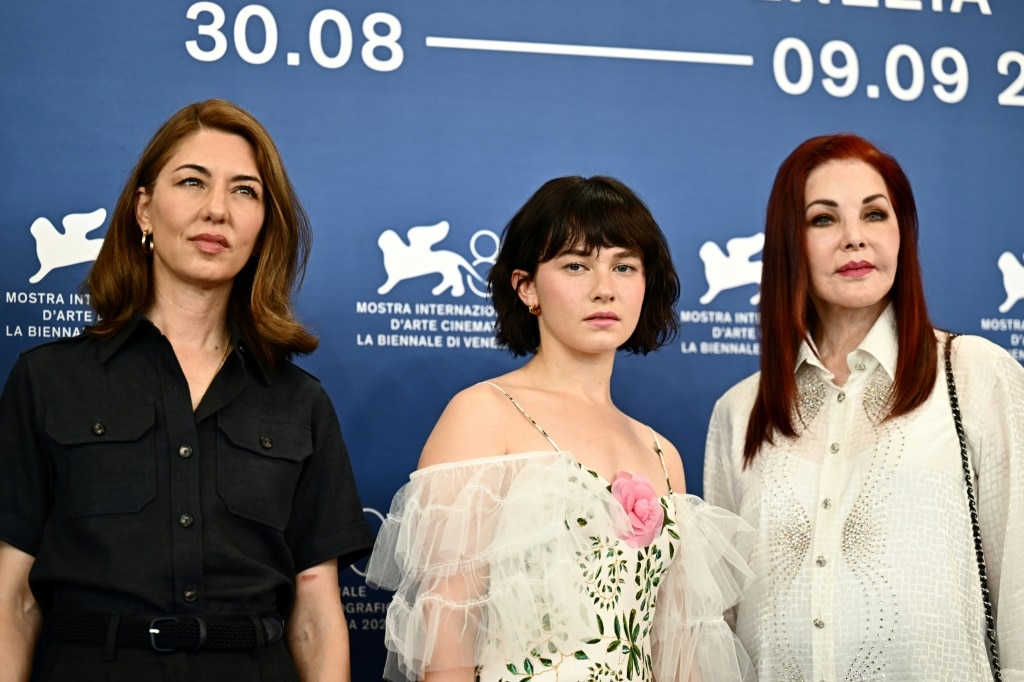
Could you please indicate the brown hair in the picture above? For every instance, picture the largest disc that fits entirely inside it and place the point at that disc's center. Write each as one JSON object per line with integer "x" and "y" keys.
{"x": 787, "y": 314}
{"x": 120, "y": 281}
{"x": 587, "y": 213}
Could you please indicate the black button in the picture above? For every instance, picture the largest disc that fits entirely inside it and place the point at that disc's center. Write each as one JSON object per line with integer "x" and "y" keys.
{"x": 190, "y": 594}
{"x": 185, "y": 451}
{"x": 186, "y": 520}
{"x": 265, "y": 442}
{"x": 99, "y": 429}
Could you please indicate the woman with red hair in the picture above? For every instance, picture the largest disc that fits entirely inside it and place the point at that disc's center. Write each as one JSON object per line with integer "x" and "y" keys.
{"x": 844, "y": 453}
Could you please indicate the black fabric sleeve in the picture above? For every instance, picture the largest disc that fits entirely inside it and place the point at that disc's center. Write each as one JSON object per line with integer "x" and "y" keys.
{"x": 327, "y": 518}
{"x": 25, "y": 477}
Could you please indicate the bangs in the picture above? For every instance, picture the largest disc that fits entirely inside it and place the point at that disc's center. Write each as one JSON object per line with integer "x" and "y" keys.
{"x": 591, "y": 225}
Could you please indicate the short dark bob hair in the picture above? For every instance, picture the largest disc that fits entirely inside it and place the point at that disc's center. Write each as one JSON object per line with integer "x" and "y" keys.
{"x": 587, "y": 213}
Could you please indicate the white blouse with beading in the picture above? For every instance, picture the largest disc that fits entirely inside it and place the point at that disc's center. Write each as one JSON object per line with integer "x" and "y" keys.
{"x": 864, "y": 561}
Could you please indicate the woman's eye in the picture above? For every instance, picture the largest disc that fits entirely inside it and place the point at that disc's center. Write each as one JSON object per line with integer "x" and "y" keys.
{"x": 191, "y": 182}
{"x": 877, "y": 215}
{"x": 820, "y": 220}
{"x": 625, "y": 267}
{"x": 249, "y": 190}
{"x": 574, "y": 267}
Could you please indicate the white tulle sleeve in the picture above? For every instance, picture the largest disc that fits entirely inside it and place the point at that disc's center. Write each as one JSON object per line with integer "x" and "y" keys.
{"x": 479, "y": 559}
{"x": 690, "y": 639}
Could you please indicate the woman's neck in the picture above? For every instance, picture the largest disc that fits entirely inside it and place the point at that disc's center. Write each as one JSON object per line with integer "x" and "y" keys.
{"x": 584, "y": 376}
{"x": 196, "y": 320}
{"x": 196, "y": 327}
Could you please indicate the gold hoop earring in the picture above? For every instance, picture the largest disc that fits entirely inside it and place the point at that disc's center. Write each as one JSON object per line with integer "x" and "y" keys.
{"x": 147, "y": 242}
{"x": 534, "y": 310}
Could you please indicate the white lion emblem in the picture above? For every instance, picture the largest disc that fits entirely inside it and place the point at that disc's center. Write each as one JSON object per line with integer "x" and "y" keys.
{"x": 57, "y": 250}
{"x": 405, "y": 261}
{"x": 1013, "y": 280}
{"x": 736, "y": 269}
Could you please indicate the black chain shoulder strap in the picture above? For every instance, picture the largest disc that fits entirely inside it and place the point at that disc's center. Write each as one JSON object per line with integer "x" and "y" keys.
{"x": 990, "y": 622}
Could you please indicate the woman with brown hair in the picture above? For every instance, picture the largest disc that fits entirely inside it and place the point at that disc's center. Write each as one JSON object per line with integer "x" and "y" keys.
{"x": 887, "y": 546}
{"x": 177, "y": 498}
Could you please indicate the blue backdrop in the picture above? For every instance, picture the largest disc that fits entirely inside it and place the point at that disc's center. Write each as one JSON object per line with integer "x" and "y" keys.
{"x": 446, "y": 115}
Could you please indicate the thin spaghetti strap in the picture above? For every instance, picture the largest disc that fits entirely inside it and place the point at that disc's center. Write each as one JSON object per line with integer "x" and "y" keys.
{"x": 661, "y": 457}
{"x": 523, "y": 412}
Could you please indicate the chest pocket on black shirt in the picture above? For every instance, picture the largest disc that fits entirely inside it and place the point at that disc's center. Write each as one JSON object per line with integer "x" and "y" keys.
{"x": 104, "y": 457}
{"x": 258, "y": 466}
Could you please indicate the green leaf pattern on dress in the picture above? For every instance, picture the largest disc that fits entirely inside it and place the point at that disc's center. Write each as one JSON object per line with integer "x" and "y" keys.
{"x": 610, "y": 570}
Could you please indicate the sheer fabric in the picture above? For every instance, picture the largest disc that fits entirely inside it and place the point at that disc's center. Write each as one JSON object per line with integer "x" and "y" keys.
{"x": 520, "y": 559}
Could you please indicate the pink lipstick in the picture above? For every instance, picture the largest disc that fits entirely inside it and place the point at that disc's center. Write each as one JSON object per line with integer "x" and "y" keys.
{"x": 603, "y": 319}
{"x": 209, "y": 243}
{"x": 856, "y": 269}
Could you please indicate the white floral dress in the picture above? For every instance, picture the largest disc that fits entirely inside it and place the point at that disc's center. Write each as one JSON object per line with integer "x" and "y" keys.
{"x": 525, "y": 562}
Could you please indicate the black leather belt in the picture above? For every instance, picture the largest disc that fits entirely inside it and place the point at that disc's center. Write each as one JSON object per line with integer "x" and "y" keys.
{"x": 167, "y": 633}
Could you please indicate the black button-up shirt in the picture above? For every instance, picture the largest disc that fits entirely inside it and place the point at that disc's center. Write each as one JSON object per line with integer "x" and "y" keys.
{"x": 131, "y": 502}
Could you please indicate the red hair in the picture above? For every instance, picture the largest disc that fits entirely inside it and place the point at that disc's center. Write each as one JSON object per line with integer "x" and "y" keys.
{"x": 787, "y": 315}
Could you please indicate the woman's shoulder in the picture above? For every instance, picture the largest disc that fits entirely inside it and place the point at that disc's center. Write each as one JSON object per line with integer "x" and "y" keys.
{"x": 740, "y": 396}
{"x": 485, "y": 404}
{"x": 287, "y": 386}
{"x": 65, "y": 347}
{"x": 975, "y": 354}
{"x": 976, "y": 347}
{"x": 479, "y": 399}
{"x": 474, "y": 425}
{"x": 667, "y": 446}
{"x": 288, "y": 370}
{"x": 73, "y": 358}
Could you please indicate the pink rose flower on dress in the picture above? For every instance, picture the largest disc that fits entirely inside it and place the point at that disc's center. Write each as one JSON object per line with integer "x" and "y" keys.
{"x": 646, "y": 515}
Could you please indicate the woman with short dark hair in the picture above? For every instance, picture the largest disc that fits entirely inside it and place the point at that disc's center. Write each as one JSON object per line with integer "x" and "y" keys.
{"x": 546, "y": 534}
